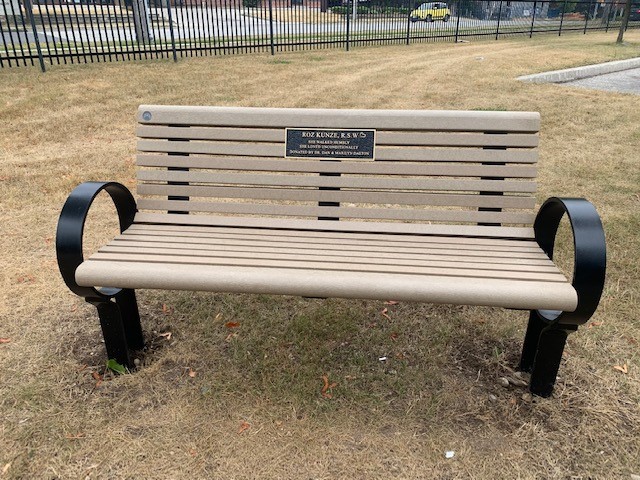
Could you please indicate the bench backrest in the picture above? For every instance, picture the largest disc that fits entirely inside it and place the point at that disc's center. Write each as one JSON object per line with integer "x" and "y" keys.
{"x": 442, "y": 172}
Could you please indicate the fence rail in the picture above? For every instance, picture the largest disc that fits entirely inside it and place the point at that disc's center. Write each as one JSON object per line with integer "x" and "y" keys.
{"x": 53, "y": 32}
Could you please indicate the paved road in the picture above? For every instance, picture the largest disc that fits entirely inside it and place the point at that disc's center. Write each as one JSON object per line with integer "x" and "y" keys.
{"x": 627, "y": 81}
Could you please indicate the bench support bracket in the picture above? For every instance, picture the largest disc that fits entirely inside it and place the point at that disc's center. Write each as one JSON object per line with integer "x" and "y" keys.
{"x": 547, "y": 330}
{"x": 117, "y": 308}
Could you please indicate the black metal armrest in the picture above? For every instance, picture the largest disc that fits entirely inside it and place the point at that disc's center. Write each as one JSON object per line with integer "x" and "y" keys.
{"x": 71, "y": 228}
{"x": 590, "y": 253}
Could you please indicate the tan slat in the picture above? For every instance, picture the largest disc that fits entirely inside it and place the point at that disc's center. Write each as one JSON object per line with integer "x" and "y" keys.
{"x": 319, "y": 265}
{"x": 392, "y": 198}
{"x": 325, "y": 118}
{"x": 340, "y": 238}
{"x": 381, "y": 153}
{"x": 333, "y": 245}
{"x": 338, "y": 182}
{"x": 372, "y": 253}
{"x": 340, "y": 212}
{"x": 434, "y": 289}
{"x": 344, "y": 226}
{"x": 461, "y": 139}
{"x": 341, "y": 260}
{"x": 370, "y": 168}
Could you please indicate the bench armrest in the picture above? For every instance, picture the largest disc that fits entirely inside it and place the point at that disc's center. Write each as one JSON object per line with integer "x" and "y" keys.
{"x": 590, "y": 253}
{"x": 71, "y": 228}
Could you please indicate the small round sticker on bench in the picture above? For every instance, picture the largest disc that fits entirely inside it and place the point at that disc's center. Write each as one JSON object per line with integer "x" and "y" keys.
{"x": 146, "y": 116}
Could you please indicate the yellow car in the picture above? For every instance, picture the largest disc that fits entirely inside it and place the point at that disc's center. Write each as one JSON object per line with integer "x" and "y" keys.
{"x": 430, "y": 12}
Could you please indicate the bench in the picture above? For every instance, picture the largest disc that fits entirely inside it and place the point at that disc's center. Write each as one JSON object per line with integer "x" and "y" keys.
{"x": 424, "y": 206}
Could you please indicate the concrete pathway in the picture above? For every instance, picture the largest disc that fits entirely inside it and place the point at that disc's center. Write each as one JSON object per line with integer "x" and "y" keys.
{"x": 627, "y": 81}
{"x": 617, "y": 76}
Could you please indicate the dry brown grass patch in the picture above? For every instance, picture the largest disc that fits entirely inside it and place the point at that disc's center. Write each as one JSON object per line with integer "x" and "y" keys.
{"x": 391, "y": 419}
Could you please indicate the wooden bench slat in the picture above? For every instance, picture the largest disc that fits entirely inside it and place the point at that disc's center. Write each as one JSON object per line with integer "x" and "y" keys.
{"x": 330, "y": 245}
{"x": 314, "y": 181}
{"x": 460, "y": 139}
{"x": 326, "y": 118}
{"x": 334, "y": 284}
{"x": 201, "y": 259}
{"x": 345, "y": 167}
{"x": 341, "y": 212}
{"x": 315, "y": 235}
{"x": 320, "y": 250}
{"x": 348, "y": 196}
{"x": 344, "y": 226}
{"x": 341, "y": 238}
{"x": 381, "y": 153}
{"x": 325, "y": 257}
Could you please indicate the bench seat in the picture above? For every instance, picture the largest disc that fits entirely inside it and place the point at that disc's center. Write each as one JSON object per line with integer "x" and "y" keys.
{"x": 436, "y": 269}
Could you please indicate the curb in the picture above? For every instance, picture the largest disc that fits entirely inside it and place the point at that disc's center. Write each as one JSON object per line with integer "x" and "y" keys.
{"x": 570, "y": 74}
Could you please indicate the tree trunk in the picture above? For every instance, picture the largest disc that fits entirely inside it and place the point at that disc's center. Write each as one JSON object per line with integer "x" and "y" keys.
{"x": 625, "y": 21}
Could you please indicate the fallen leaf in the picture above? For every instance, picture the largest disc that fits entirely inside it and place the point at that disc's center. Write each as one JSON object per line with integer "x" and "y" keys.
{"x": 6, "y": 468}
{"x": 624, "y": 369}
{"x": 166, "y": 335}
{"x": 48, "y": 240}
{"x": 82, "y": 367}
{"x": 243, "y": 426}
{"x": 232, "y": 324}
{"x": 391, "y": 302}
{"x": 326, "y": 386}
{"x": 75, "y": 437}
{"x": 192, "y": 372}
{"x": 98, "y": 378}
{"x": 5, "y": 340}
{"x": 384, "y": 313}
{"x": 74, "y": 308}
{"x": 394, "y": 336}
{"x": 114, "y": 366}
{"x": 192, "y": 452}
{"x": 26, "y": 279}
{"x": 594, "y": 324}
{"x": 166, "y": 309}
{"x": 4, "y": 178}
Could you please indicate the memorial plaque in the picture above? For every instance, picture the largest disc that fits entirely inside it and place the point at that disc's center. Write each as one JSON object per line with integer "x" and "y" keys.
{"x": 342, "y": 144}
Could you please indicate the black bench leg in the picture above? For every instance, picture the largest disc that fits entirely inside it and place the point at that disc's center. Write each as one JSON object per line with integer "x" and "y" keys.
{"x": 531, "y": 339}
{"x": 548, "y": 355}
{"x": 120, "y": 322}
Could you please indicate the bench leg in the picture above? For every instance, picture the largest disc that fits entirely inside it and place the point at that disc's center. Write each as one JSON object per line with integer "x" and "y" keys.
{"x": 120, "y": 322}
{"x": 531, "y": 339}
{"x": 542, "y": 353}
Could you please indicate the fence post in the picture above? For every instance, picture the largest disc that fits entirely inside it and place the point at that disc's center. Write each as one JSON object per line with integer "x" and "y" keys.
{"x": 586, "y": 18}
{"x": 533, "y": 18}
{"x": 410, "y": 3}
{"x": 273, "y": 51}
{"x": 564, "y": 6}
{"x": 499, "y": 17}
{"x": 173, "y": 38}
{"x": 608, "y": 12}
{"x": 35, "y": 35}
{"x": 457, "y": 20}
{"x": 348, "y": 22}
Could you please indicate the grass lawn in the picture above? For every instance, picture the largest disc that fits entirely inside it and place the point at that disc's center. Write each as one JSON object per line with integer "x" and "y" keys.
{"x": 211, "y": 401}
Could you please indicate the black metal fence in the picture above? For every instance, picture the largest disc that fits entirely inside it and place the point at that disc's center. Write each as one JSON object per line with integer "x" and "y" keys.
{"x": 41, "y": 32}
